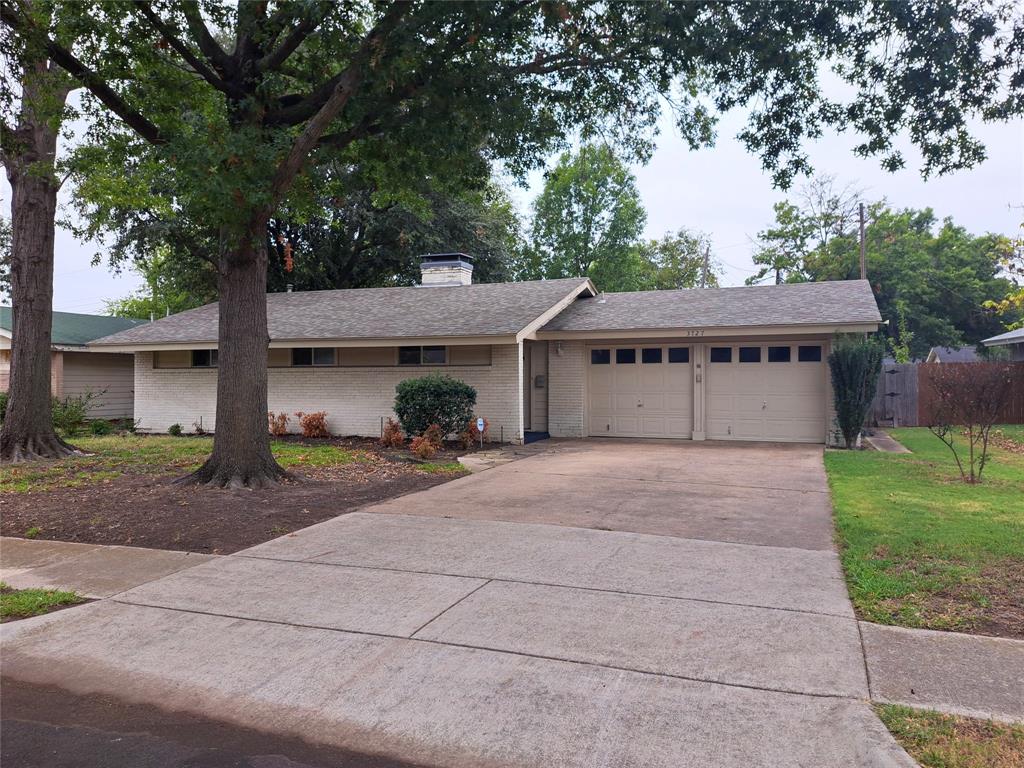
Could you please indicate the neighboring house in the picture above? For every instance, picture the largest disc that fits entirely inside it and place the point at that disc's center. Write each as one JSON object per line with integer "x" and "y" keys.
{"x": 76, "y": 368}
{"x": 1012, "y": 340}
{"x": 546, "y": 356}
{"x": 953, "y": 355}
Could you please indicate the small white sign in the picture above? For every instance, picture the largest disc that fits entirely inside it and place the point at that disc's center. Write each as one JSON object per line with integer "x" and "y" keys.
{"x": 479, "y": 425}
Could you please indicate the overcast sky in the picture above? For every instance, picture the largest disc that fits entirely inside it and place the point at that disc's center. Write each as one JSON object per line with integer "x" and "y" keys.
{"x": 720, "y": 191}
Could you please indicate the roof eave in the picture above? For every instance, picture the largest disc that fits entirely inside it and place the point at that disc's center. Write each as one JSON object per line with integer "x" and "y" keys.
{"x": 388, "y": 341}
{"x": 530, "y": 331}
{"x": 696, "y": 332}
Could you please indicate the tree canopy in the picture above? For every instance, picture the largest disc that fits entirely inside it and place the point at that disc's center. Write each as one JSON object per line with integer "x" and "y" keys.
{"x": 242, "y": 105}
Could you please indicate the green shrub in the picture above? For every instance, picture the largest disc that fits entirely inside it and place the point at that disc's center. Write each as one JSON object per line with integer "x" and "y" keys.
{"x": 69, "y": 414}
{"x": 434, "y": 399}
{"x": 100, "y": 427}
{"x": 174, "y": 430}
{"x": 3, "y": 405}
{"x": 856, "y": 365}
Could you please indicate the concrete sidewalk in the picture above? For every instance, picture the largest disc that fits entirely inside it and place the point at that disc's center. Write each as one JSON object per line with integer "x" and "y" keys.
{"x": 950, "y": 672}
{"x": 91, "y": 570}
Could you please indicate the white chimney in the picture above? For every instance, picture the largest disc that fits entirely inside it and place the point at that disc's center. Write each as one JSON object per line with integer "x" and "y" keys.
{"x": 446, "y": 269}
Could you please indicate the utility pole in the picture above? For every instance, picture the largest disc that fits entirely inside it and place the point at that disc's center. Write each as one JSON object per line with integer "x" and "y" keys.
{"x": 704, "y": 270}
{"x": 863, "y": 247}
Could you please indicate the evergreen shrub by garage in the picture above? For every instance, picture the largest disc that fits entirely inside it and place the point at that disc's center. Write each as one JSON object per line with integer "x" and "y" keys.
{"x": 434, "y": 399}
{"x": 856, "y": 365}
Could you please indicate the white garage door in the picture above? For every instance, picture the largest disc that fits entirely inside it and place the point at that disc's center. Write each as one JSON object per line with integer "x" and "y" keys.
{"x": 766, "y": 392}
{"x": 640, "y": 391}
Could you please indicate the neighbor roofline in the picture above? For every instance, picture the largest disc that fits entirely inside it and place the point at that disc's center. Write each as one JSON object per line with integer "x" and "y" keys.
{"x": 697, "y": 332}
{"x": 384, "y": 341}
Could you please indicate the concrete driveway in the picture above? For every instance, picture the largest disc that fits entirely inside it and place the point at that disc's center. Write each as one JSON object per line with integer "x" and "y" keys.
{"x": 603, "y": 603}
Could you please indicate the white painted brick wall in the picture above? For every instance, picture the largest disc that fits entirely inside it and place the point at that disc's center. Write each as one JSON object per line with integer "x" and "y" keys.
{"x": 566, "y": 379}
{"x": 354, "y": 398}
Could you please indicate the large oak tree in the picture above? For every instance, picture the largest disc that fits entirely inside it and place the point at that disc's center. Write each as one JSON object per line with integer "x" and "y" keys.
{"x": 245, "y": 102}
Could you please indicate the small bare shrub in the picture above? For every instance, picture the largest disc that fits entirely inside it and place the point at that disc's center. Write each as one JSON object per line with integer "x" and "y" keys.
{"x": 313, "y": 424}
{"x": 422, "y": 447}
{"x": 969, "y": 399}
{"x": 277, "y": 423}
{"x": 470, "y": 436}
{"x": 392, "y": 437}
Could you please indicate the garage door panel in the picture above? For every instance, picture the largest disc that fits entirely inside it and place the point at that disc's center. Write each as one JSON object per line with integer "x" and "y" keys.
{"x": 653, "y": 399}
{"x": 766, "y": 401}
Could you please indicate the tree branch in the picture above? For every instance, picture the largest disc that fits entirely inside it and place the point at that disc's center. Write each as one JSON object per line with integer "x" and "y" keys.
{"x": 185, "y": 52}
{"x": 87, "y": 77}
{"x": 277, "y": 57}
{"x": 207, "y": 44}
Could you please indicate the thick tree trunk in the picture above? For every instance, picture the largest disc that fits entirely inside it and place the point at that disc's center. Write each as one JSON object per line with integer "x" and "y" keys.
{"x": 27, "y": 431}
{"x": 241, "y": 455}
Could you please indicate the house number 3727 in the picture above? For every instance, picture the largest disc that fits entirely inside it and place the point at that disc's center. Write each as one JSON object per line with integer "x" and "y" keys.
{"x": 695, "y": 332}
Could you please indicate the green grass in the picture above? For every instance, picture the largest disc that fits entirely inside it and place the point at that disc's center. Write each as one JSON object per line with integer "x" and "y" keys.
{"x": 22, "y": 603}
{"x": 447, "y": 468}
{"x": 944, "y": 741}
{"x": 919, "y": 547}
{"x": 112, "y": 456}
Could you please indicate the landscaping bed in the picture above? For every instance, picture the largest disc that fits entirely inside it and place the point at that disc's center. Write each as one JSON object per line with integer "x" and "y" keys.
{"x": 123, "y": 492}
{"x": 920, "y": 548}
{"x": 945, "y": 741}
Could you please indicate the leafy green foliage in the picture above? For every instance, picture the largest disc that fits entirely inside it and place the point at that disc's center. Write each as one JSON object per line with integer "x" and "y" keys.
{"x": 855, "y": 365}
{"x": 100, "y": 427}
{"x": 678, "y": 260}
{"x": 174, "y": 430}
{"x": 70, "y": 412}
{"x": 434, "y": 399}
{"x": 4, "y": 397}
{"x": 784, "y": 247}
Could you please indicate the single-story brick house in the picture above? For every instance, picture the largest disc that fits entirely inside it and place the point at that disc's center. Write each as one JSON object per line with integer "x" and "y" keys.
{"x": 551, "y": 356}
{"x": 75, "y": 367}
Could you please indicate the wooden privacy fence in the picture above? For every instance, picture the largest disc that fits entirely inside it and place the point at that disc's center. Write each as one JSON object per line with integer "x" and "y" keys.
{"x": 905, "y": 398}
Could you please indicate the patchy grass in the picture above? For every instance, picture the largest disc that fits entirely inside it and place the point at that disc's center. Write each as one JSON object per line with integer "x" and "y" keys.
{"x": 920, "y": 548}
{"x": 448, "y": 468}
{"x": 113, "y": 456}
{"x": 22, "y": 603}
{"x": 945, "y": 741}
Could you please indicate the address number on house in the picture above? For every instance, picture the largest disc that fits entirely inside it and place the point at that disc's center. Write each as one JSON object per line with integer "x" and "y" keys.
{"x": 695, "y": 332}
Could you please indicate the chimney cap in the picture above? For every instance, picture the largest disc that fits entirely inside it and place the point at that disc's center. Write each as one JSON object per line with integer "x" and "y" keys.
{"x": 440, "y": 258}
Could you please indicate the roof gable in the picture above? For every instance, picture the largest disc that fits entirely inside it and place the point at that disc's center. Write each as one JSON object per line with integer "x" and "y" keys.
{"x": 484, "y": 309}
{"x": 74, "y": 329}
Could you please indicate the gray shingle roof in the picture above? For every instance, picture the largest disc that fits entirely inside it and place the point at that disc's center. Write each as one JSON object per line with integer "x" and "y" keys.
{"x": 73, "y": 329}
{"x": 954, "y": 354}
{"x": 486, "y": 309}
{"x": 826, "y": 303}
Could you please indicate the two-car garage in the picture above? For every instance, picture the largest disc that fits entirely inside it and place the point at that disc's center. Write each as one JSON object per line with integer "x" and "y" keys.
{"x": 749, "y": 390}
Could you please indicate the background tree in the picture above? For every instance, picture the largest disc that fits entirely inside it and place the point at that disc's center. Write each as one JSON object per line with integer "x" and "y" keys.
{"x": 272, "y": 91}
{"x": 33, "y": 100}
{"x": 587, "y": 222}
{"x": 783, "y": 248}
{"x": 679, "y": 260}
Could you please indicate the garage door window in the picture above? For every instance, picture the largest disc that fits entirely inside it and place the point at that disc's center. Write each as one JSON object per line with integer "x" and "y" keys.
{"x": 810, "y": 354}
{"x": 625, "y": 356}
{"x": 679, "y": 354}
{"x": 750, "y": 354}
{"x": 778, "y": 354}
{"x": 600, "y": 356}
{"x": 721, "y": 354}
{"x": 650, "y": 355}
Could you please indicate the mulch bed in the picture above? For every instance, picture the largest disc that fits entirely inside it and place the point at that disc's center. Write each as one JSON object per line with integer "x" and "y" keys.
{"x": 149, "y": 511}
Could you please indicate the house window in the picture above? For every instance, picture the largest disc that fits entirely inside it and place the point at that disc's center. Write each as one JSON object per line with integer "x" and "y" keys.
{"x": 809, "y": 354}
{"x": 600, "y": 357}
{"x": 750, "y": 354}
{"x": 204, "y": 358}
{"x": 436, "y": 355}
{"x": 778, "y": 354}
{"x": 303, "y": 356}
{"x": 679, "y": 354}
{"x": 650, "y": 355}
{"x": 721, "y": 355}
{"x": 625, "y": 356}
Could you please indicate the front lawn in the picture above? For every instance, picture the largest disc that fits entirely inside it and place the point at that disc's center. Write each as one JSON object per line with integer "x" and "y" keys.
{"x": 920, "y": 548}
{"x": 22, "y": 603}
{"x": 945, "y": 741}
{"x": 122, "y": 492}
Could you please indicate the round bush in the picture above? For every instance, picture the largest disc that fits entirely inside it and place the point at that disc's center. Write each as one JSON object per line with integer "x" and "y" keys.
{"x": 434, "y": 399}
